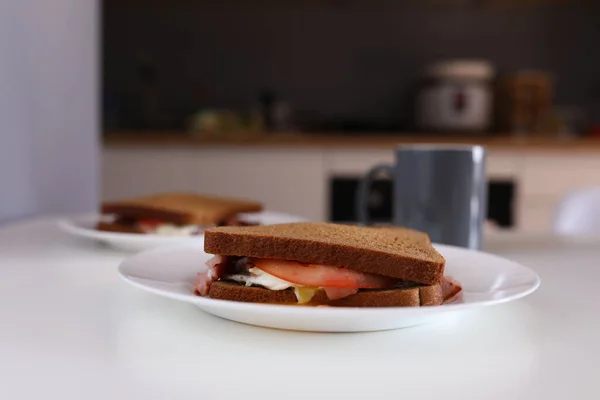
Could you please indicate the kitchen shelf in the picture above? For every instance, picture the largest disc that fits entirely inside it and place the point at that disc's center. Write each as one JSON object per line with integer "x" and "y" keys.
{"x": 372, "y": 4}
{"x": 329, "y": 140}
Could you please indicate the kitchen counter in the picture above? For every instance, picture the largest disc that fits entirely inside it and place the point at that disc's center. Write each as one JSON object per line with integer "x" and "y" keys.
{"x": 353, "y": 141}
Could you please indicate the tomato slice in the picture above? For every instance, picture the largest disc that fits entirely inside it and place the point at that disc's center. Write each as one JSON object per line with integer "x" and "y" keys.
{"x": 321, "y": 275}
{"x": 150, "y": 223}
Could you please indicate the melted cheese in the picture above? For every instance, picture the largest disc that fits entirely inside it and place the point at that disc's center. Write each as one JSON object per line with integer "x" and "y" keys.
{"x": 305, "y": 294}
{"x": 260, "y": 278}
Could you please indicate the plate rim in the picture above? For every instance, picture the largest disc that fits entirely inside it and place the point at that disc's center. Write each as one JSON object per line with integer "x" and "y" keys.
{"x": 277, "y": 308}
{"x": 72, "y": 226}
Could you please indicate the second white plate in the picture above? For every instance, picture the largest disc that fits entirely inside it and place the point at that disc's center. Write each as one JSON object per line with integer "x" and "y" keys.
{"x": 487, "y": 279}
{"x": 84, "y": 227}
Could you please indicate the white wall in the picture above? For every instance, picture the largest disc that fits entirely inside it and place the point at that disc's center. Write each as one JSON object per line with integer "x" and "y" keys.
{"x": 49, "y": 122}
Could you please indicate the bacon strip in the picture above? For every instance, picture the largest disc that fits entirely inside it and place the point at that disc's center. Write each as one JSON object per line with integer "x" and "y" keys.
{"x": 451, "y": 289}
{"x": 202, "y": 284}
{"x": 215, "y": 267}
{"x": 218, "y": 267}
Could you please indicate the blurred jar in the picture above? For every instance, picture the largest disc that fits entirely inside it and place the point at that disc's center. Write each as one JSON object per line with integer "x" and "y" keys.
{"x": 524, "y": 102}
{"x": 456, "y": 96}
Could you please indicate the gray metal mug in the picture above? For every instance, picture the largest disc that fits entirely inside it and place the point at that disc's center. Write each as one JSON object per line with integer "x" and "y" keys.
{"x": 438, "y": 189}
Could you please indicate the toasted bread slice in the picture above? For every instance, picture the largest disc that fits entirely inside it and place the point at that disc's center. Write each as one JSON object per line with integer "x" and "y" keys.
{"x": 181, "y": 208}
{"x": 116, "y": 227}
{"x": 398, "y": 253}
{"x": 414, "y": 234}
{"x": 415, "y": 296}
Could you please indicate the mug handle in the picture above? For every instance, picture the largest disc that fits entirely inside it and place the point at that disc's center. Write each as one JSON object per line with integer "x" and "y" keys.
{"x": 364, "y": 189}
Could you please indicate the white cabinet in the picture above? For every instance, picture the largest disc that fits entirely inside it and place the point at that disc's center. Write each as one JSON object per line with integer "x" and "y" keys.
{"x": 284, "y": 180}
{"x": 546, "y": 178}
{"x": 550, "y": 174}
{"x": 131, "y": 172}
{"x": 356, "y": 162}
{"x": 503, "y": 164}
{"x": 297, "y": 181}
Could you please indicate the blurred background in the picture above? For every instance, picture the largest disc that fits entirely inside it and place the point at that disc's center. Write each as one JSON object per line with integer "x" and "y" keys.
{"x": 289, "y": 102}
{"x": 340, "y": 66}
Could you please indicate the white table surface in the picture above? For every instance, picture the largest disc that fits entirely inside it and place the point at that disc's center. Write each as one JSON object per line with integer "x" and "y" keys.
{"x": 71, "y": 329}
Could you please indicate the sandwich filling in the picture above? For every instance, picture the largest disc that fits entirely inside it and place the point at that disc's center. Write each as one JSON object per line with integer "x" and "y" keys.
{"x": 304, "y": 279}
{"x": 167, "y": 228}
{"x": 158, "y": 227}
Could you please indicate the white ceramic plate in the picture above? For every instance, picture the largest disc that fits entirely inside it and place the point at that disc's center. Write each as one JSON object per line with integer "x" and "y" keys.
{"x": 83, "y": 226}
{"x": 486, "y": 280}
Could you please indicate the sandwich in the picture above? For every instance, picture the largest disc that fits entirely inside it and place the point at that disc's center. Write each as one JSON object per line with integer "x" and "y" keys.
{"x": 324, "y": 264}
{"x": 180, "y": 214}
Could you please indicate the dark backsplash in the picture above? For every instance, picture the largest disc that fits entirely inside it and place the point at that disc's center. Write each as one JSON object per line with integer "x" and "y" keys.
{"x": 165, "y": 60}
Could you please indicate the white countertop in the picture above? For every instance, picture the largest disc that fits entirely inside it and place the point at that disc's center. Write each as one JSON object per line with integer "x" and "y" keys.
{"x": 70, "y": 329}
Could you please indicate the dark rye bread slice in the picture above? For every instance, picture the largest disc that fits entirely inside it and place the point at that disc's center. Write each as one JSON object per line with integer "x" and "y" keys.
{"x": 181, "y": 208}
{"x": 395, "y": 252}
{"x": 415, "y": 296}
{"x": 116, "y": 227}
